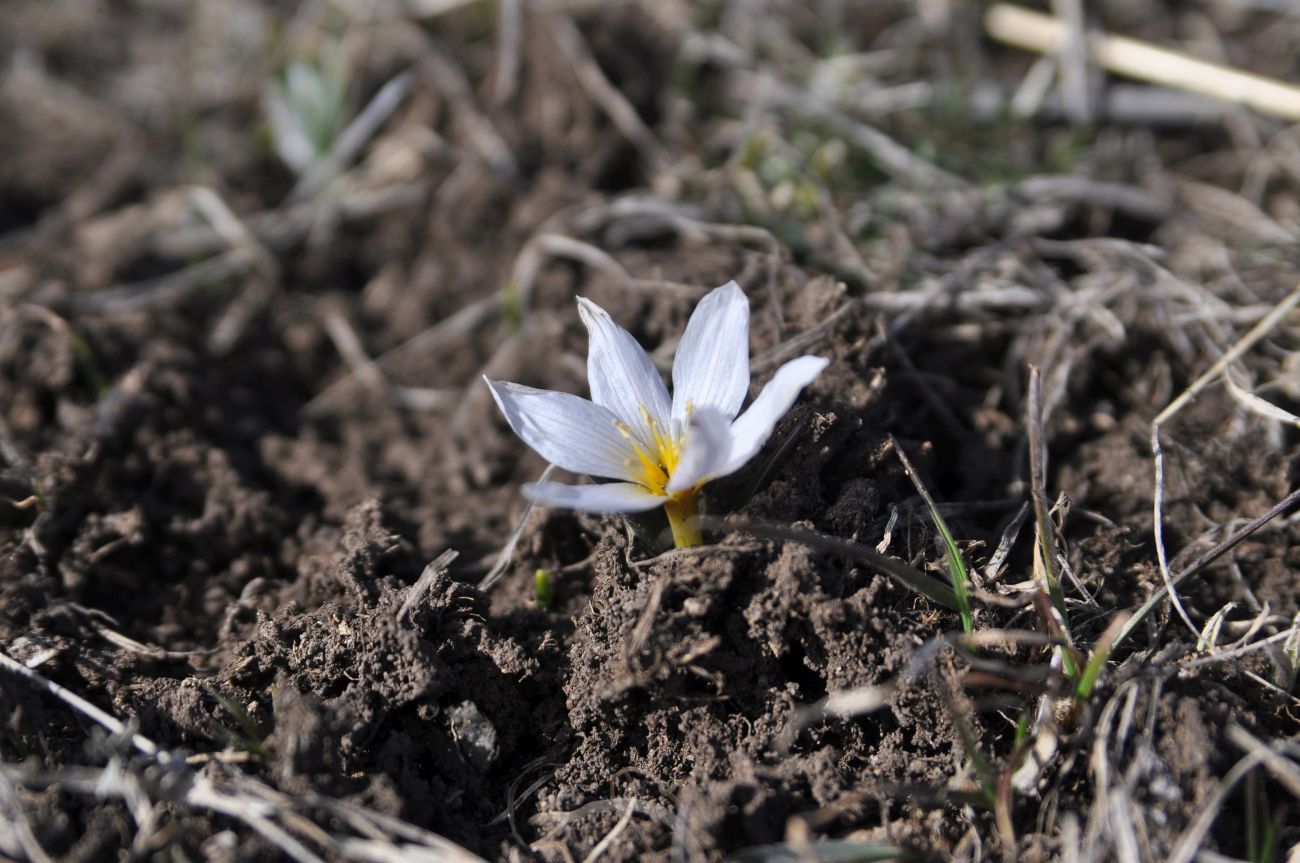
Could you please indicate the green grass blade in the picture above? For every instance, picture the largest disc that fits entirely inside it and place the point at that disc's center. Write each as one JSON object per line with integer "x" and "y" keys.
{"x": 957, "y": 574}
{"x": 1100, "y": 654}
{"x": 983, "y": 772}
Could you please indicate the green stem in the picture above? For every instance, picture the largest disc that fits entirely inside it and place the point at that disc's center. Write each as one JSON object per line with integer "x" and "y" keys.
{"x": 684, "y": 519}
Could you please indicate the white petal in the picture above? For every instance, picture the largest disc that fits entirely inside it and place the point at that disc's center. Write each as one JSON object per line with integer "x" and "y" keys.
{"x": 622, "y": 377}
{"x": 608, "y": 497}
{"x": 566, "y": 430}
{"x": 752, "y": 428}
{"x": 705, "y": 451}
{"x": 712, "y": 364}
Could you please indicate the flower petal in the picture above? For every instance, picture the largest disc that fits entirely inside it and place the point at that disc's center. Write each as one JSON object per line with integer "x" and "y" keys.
{"x": 752, "y": 428}
{"x": 566, "y": 430}
{"x": 607, "y": 497}
{"x": 706, "y": 449}
{"x": 712, "y": 364}
{"x": 622, "y": 377}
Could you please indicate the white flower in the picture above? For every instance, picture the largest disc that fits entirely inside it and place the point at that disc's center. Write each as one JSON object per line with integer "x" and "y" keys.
{"x": 660, "y": 449}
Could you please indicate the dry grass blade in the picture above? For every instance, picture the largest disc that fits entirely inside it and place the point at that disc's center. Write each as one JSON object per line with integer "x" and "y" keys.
{"x": 1045, "y": 557}
{"x": 354, "y": 137}
{"x": 510, "y": 26}
{"x": 1284, "y": 770}
{"x": 559, "y": 246}
{"x": 609, "y": 838}
{"x": 241, "y": 798}
{"x": 645, "y": 808}
{"x": 1220, "y": 366}
{"x": 908, "y": 576}
{"x": 1072, "y": 60}
{"x": 805, "y": 340}
{"x": 166, "y": 290}
{"x": 439, "y": 335}
{"x": 81, "y": 705}
{"x": 449, "y": 79}
{"x": 1225, "y": 655}
{"x": 1222, "y": 548}
{"x": 997, "y": 560}
{"x": 383, "y": 851}
{"x": 1192, "y": 838}
{"x": 347, "y": 342}
{"x": 1110, "y": 818}
{"x": 436, "y": 567}
{"x": 366, "y": 370}
{"x": 257, "y": 291}
{"x": 1252, "y": 402}
{"x": 893, "y": 157}
{"x": 834, "y": 851}
{"x": 606, "y": 95}
{"x": 16, "y": 835}
{"x": 382, "y": 826}
{"x": 507, "y": 554}
{"x": 1139, "y": 202}
{"x": 1025, "y": 28}
{"x": 861, "y": 700}
{"x": 843, "y": 704}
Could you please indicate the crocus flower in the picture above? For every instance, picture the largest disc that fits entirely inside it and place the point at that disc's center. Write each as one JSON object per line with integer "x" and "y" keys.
{"x": 660, "y": 449}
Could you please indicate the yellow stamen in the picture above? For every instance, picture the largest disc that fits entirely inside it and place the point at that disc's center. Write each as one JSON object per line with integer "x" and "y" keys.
{"x": 655, "y": 469}
{"x": 653, "y": 474}
{"x": 668, "y": 451}
{"x": 655, "y": 465}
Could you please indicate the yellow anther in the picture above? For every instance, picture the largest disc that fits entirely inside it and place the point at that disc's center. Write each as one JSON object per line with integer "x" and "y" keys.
{"x": 667, "y": 448}
{"x": 655, "y": 471}
{"x": 654, "y": 474}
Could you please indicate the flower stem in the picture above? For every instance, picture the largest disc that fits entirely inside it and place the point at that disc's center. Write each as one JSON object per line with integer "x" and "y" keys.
{"x": 684, "y": 519}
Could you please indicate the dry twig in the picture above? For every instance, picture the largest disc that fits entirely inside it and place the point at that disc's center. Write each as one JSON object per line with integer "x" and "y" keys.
{"x": 1033, "y": 31}
{"x": 507, "y": 554}
{"x": 435, "y": 567}
{"x": 268, "y": 812}
{"x": 606, "y": 95}
{"x": 1244, "y": 344}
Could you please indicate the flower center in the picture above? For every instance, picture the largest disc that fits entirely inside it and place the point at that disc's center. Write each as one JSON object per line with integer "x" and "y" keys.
{"x": 655, "y": 463}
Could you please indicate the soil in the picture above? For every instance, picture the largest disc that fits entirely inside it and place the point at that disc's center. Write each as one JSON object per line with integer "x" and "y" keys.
{"x": 213, "y": 520}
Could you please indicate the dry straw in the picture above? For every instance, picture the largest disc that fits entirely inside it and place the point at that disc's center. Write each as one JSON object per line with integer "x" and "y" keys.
{"x": 1143, "y": 61}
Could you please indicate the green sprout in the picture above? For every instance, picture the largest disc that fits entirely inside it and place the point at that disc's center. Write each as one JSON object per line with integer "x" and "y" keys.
{"x": 1261, "y": 827}
{"x": 307, "y": 106}
{"x": 1101, "y": 651}
{"x": 543, "y": 588}
{"x": 512, "y": 306}
{"x": 1022, "y": 731}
